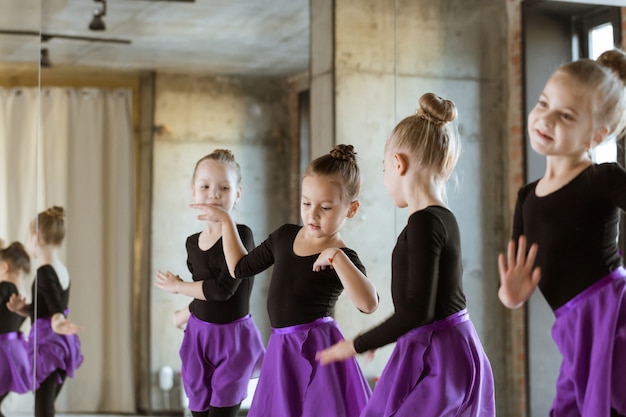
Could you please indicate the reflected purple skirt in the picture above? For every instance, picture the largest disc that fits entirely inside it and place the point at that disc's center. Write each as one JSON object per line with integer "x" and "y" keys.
{"x": 590, "y": 332}
{"x": 218, "y": 361}
{"x": 53, "y": 351}
{"x": 437, "y": 370}
{"x": 16, "y": 370}
{"x": 294, "y": 384}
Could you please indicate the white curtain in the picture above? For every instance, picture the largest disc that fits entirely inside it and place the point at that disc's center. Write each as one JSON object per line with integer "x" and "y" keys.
{"x": 85, "y": 164}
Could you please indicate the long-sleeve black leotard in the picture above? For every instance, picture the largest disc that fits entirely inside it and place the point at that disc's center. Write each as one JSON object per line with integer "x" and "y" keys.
{"x": 426, "y": 277}
{"x": 227, "y": 299}
{"x": 48, "y": 294}
{"x": 575, "y": 229}
{"x": 296, "y": 293}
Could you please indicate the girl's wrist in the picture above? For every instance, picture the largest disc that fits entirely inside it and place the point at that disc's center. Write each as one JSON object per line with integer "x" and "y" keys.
{"x": 332, "y": 257}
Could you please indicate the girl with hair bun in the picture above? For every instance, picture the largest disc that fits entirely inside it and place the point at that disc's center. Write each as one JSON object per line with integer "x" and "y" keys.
{"x": 564, "y": 238}
{"x": 312, "y": 266}
{"x": 222, "y": 347}
{"x": 15, "y": 367}
{"x": 52, "y": 344}
{"x": 438, "y": 367}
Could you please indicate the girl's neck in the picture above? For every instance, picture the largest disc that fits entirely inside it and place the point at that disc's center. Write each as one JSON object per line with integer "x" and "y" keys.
{"x": 47, "y": 255}
{"x": 424, "y": 194}
{"x": 565, "y": 167}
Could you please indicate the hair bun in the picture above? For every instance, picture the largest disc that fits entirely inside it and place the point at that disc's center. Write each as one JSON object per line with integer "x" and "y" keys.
{"x": 344, "y": 153}
{"x": 56, "y": 211}
{"x": 614, "y": 60}
{"x": 436, "y": 110}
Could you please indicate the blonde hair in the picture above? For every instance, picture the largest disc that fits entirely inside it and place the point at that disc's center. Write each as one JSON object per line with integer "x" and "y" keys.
{"x": 15, "y": 256}
{"x": 339, "y": 164}
{"x": 429, "y": 137}
{"x": 223, "y": 156}
{"x": 50, "y": 225}
{"x": 606, "y": 77}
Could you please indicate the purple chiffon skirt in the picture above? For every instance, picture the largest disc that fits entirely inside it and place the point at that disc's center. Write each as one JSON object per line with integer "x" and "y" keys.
{"x": 16, "y": 370}
{"x": 51, "y": 351}
{"x": 218, "y": 361}
{"x": 437, "y": 370}
{"x": 590, "y": 332}
{"x": 294, "y": 384}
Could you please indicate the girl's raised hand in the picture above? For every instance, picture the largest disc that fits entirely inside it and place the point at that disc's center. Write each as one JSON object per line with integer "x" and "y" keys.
{"x": 167, "y": 281}
{"x": 518, "y": 277}
{"x": 210, "y": 212}
{"x": 325, "y": 259}
{"x": 16, "y": 303}
{"x": 338, "y": 352}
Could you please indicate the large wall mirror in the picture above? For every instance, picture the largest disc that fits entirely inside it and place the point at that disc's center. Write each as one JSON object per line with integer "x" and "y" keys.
{"x": 124, "y": 113}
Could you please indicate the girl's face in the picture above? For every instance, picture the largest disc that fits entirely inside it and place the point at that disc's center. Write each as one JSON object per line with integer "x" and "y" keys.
{"x": 215, "y": 184}
{"x": 322, "y": 208}
{"x": 33, "y": 244}
{"x": 561, "y": 123}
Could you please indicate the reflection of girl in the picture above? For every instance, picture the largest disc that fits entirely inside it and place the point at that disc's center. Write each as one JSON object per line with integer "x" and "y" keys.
{"x": 15, "y": 367}
{"x": 564, "y": 237}
{"x": 52, "y": 343}
{"x": 438, "y": 366}
{"x": 312, "y": 266}
{"x": 222, "y": 346}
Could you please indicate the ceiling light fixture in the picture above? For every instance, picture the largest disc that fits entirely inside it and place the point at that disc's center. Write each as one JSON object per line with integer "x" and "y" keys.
{"x": 45, "y": 58}
{"x": 98, "y": 13}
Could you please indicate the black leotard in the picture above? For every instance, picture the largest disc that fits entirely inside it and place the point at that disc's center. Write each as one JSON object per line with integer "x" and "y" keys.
{"x": 296, "y": 293}
{"x": 575, "y": 228}
{"x": 9, "y": 321}
{"x": 227, "y": 299}
{"x": 51, "y": 298}
{"x": 426, "y": 277}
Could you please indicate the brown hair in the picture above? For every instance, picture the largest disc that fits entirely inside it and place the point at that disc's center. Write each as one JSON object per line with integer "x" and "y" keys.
{"x": 429, "y": 137}
{"x": 50, "y": 225}
{"x": 224, "y": 156}
{"x": 607, "y": 77}
{"x": 15, "y": 256}
{"x": 340, "y": 164}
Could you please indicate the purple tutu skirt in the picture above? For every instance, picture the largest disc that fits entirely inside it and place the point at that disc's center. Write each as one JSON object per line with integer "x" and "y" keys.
{"x": 16, "y": 370}
{"x": 590, "y": 332}
{"x": 218, "y": 361}
{"x": 51, "y": 351}
{"x": 437, "y": 370}
{"x": 294, "y": 384}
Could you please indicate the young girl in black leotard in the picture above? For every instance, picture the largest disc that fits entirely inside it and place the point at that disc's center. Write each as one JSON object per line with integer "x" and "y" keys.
{"x": 16, "y": 372}
{"x": 222, "y": 346}
{"x": 312, "y": 266}
{"x": 52, "y": 343}
{"x": 438, "y": 367}
{"x": 569, "y": 219}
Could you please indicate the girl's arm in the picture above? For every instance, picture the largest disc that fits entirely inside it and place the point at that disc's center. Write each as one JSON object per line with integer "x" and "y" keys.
{"x": 359, "y": 288}
{"x": 234, "y": 249}
{"x": 181, "y": 317}
{"x": 175, "y": 285}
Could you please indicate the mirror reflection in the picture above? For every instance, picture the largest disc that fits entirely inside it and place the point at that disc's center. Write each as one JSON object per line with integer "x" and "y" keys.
{"x": 125, "y": 113}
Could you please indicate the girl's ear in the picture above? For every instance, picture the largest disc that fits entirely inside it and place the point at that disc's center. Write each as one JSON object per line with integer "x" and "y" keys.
{"x": 354, "y": 207}
{"x": 4, "y": 267}
{"x": 238, "y": 193}
{"x": 599, "y": 137}
{"x": 401, "y": 163}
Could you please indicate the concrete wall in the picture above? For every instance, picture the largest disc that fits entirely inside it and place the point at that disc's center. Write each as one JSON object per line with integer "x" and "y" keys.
{"x": 412, "y": 47}
{"x": 199, "y": 114}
